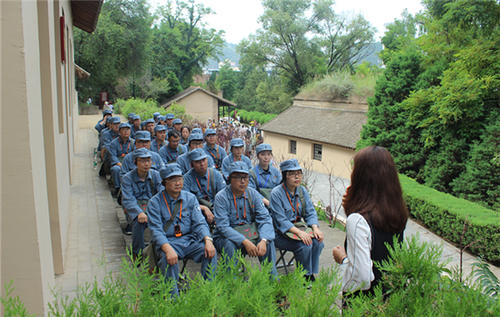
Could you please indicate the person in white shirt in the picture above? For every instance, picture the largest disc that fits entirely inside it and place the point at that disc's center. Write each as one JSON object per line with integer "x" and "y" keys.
{"x": 376, "y": 212}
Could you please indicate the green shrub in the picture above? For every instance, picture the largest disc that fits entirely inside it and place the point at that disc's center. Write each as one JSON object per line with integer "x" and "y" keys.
{"x": 141, "y": 107}
{"x": 341, "y": 85}
{"x": 415, "y": 286}
{"x": 180, "y": 112}
{"x": 146, "y": 108}
{"x": 412, "y": 279}
{"x": 118, "y": 105}
{"x": 12, "y": 306}
{"x": 248, "y": 116}
{"x": 231, "y": 292}
{"x": 445, "y": 215}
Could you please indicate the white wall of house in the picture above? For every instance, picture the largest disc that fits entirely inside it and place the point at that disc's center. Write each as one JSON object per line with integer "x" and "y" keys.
{"x": 200, "y": 106}
{"x": 39, "y": 109}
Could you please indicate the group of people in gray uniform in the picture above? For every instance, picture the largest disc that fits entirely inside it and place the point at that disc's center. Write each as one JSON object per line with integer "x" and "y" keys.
{"x": 201, "y": 203}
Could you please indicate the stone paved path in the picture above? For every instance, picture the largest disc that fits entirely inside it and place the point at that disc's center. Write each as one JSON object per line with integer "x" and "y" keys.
{"x": 95, "y": 243}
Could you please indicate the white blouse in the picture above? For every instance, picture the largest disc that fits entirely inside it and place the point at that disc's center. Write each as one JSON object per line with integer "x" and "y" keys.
{"x": 358, "y": 273}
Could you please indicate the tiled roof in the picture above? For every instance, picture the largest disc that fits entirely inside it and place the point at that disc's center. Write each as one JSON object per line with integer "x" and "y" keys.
{"x": 326, "y": 125}
{"x": 85, "y": 14}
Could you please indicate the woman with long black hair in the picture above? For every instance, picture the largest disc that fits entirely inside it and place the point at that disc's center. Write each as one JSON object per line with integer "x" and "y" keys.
{"x": 376, "y": 212}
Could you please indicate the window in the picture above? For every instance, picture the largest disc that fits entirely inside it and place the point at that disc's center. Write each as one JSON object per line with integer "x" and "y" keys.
{"x": 293, "y": 147}
{"x": 317, "y": 151}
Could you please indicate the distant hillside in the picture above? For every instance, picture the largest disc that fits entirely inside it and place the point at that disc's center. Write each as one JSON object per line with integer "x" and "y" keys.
{"x": 228, "y": 52}
{"x": 372, "y": 50}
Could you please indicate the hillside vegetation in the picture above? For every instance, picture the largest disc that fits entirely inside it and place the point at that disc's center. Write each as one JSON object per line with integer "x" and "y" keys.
{"x": 436, "y": 104}
{"x": 342, "y": 85}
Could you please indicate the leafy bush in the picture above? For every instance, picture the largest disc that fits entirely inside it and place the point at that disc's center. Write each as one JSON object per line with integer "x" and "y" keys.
{"x": 12, "y": 306}
{"x": 248, "y": 116}
{"x": 412, "y": 280}
{"x": 232, "y": 292}
{"x": 146, "y": 108}
{"x": 415, "y": 286}
{"x": 141, "y": 107}
{"x": 445, "y": 215}
{"x": 342, "y": 85}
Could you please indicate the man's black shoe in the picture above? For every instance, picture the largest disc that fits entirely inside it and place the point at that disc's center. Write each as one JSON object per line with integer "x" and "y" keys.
{"x": 127, "y": 230}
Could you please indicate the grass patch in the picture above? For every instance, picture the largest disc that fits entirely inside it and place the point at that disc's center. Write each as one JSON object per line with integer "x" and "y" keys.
{"x": 340, "y": 85}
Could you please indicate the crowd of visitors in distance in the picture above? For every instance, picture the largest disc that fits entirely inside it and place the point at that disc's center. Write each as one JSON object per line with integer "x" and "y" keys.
{"x": 197, "y": 192}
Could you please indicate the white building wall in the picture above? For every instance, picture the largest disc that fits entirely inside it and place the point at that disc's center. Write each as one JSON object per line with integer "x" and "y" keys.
{"x": 39, "y": 108}
{"x": 26, "y": 247}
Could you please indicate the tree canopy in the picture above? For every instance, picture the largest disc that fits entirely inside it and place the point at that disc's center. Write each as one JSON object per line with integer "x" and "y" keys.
{"x": 181, "y": 43}
{"x": 302, "y": 39}
{"x": 133, "y": 52}
{"x": 436, "y": 105}
{"x": 118, "y": 47}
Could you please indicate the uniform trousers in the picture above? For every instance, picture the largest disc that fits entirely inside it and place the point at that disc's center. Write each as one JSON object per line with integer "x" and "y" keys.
{"x": 194, "y": 251}
{"x": 115, "y": 175}
{"x": 306, "y": 255}
{"x": 138, "y": 236}
{"x": 230, "y": 248}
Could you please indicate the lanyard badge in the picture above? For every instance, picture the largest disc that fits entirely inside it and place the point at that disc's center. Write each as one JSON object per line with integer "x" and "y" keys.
{"x": 177, "y": 226}
{"x": 177, "y": 230}
{"x": 296, "y": 208}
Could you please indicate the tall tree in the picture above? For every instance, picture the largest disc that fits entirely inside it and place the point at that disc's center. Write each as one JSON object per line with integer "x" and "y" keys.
{"x": 119, "y": 47}
{"x": 181, "y": 42}
{"x": 302, "y": 39}
{"x": 480, "y": 180}
{"x": 343, "y": 39}
{"x": 400, "y": 33}
{"x": 388, "y": 118}
{"x": 227, "y": 81}
{"x": 441, "y": 124}
{"x": 249, "y": 80}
